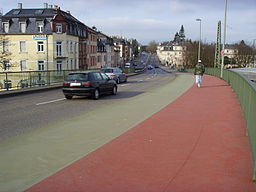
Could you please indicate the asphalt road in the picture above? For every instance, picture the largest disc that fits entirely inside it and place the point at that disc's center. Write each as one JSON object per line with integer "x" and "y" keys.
{"x": 27, "y": 112}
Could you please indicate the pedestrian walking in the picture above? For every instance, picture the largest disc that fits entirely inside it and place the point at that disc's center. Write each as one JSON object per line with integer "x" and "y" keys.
{"x": 199, "y": 72}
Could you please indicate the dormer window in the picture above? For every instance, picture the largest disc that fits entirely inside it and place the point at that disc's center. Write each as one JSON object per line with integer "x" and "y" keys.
{"x": 58, "y": 28}
{"x": 23, "y": 27}
{"x": 40, "y": 27}
{"x": 5, "y": 27}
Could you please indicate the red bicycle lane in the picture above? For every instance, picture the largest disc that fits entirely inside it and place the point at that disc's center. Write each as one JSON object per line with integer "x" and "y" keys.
{"x": 196, "y": 143}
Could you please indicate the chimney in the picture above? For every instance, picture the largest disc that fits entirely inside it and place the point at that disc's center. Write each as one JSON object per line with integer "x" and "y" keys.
{"x": 46, "y": 5}
{"x": 19, "y": 5}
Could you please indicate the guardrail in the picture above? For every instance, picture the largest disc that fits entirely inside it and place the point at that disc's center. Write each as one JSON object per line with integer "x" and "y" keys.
{"x": 27, "y": 79}
{"x": 18, "y": 80}
{"x": 246, "y": 92}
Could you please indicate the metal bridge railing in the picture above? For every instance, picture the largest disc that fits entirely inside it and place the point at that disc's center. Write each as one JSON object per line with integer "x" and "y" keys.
{"x": 27, "y": 79}
{"x": 246, "y": 92}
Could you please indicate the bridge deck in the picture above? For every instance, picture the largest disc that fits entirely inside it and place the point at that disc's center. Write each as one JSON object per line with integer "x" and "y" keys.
{"x": 196, "y": 143}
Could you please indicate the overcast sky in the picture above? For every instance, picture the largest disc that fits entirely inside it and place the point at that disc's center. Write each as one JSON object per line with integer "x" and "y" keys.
{"x": 159, "y": 20}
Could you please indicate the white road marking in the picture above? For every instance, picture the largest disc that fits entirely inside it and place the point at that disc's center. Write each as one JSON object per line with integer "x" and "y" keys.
{"x": 47, "y": 102}
{"x": 124, "y": 85}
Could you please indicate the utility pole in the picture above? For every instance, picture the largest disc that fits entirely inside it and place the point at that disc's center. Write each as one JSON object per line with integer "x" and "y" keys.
{"x": 254, "y": 47}
{"x": 224, "y": 39}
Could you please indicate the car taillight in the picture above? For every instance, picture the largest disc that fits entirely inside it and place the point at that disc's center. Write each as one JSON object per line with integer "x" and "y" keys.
{"x": 87, "y": 83}
{"x": 113, "y": 75}
{"x": 65, "y": 83}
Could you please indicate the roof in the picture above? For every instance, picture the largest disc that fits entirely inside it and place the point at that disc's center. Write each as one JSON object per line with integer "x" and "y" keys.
{"x": 18, "y": 13}
{"x": 39, "y": 13}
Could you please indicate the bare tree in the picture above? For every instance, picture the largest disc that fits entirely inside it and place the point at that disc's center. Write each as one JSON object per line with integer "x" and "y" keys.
{"x": 245, "y": 54}
{"x": 4, "y": 53}
{"x": 152, "y": 47}
{"x": 207, "y": 54}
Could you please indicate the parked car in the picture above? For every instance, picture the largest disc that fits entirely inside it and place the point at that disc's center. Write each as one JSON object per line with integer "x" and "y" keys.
{"x": 88, "y": 83}
{"x": 127, "y": 65}
{"x": 149, "y": 67}
{"x": 115, "y": 73}
{"x": 23, "y": 83}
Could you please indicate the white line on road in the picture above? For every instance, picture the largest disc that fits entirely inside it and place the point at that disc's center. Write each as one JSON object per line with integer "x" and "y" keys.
{"x": 47, "y": 102}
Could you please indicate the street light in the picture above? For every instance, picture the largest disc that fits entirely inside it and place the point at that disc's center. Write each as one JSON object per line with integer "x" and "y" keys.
{"x": 199, "y": 45}
{"x": 254, "y": 47}
{"x": 224, "y": 40}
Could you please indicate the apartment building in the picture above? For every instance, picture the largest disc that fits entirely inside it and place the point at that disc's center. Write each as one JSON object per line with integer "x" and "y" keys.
{"x": 125, "y": 49}
{"x": 91, "y": 44}
{"x": 106, "y": 50}
{"x": 41, "y": 39}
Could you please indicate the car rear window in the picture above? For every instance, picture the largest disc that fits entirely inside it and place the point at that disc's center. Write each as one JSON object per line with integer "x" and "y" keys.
{"x": 77, "y": 76}
{"x": 107, "y": 70}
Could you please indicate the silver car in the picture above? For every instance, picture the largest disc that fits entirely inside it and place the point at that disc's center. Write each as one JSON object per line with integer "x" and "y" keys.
{"x": 115, "y": 73}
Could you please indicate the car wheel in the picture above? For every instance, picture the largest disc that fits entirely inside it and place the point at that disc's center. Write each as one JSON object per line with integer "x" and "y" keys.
{"x": 68, "y": 96}
{"x": 118, "y": 81}
{"x": 125, "y": 79}
{"x": 114, "y": 90}
{"x": 96, "y": 94}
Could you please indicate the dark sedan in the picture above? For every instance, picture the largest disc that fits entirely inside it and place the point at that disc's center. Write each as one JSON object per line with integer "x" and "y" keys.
{"x": 88, "y": 83}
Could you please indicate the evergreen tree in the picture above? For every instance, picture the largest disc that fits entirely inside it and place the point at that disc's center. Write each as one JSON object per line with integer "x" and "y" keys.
{"x": 182, "y": 34}
{"x": 176, "y": 38}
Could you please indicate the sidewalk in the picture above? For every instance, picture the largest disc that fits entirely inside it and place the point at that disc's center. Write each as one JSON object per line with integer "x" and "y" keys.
{"x": 195, "y": 144}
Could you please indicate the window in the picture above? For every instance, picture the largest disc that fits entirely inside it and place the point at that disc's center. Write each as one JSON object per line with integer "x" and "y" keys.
{"x": 104, "y": 76}
{"x": 75, "y": 46}
{"x": 58, "y": 28}
{"x": 41, "y": 65}
{"x": 67, "y": 64}
{"x": 5, "y": 27}
{"x": 58, "y": 48}
{"x": 39, "y": 12}
{"x": 77, "y": 76}
{"x": 40, "y": 46}
{"x": 22, "y": 27}
{"x": 5, "y": 46}
{"x": 40, "y": 27}
{"x": 71, "y": 63}
{"x": 22, "y": 46}
{"x": 99, "y": 58}
{"x": 97, "y": 76}
{"x": 59, "y": 66}
{"x": 75, "y": 64}
{"x": 6, "y": 65}
{"x": 23, "y": 65}
{"x": 16, "y": 12}
{"x": 71, "y": 47}
{"x": 67, "y": 46}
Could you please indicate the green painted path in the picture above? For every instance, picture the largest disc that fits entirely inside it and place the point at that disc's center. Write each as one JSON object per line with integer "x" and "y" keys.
{"x": 35, "y": 155}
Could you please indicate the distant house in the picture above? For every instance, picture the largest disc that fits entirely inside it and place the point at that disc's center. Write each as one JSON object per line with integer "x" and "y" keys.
{"x": 230, "y": 51}
{"x": 172, "y": 53}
